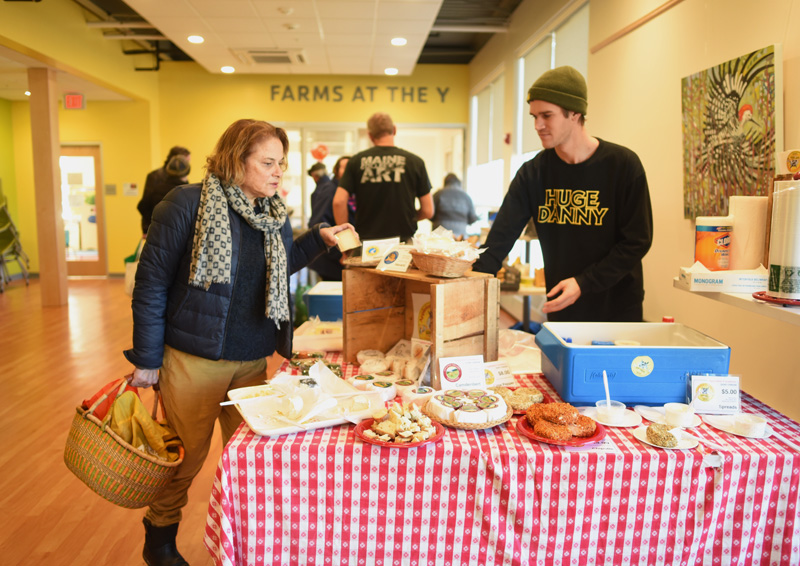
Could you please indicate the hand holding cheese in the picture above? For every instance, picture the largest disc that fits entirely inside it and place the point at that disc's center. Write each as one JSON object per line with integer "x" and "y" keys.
{"x": 347, "y": 240}
{"x": 329, "y": 234}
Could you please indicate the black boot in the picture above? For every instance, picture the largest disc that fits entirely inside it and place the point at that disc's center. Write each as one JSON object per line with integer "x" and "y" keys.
{"x": 159, "y": 545}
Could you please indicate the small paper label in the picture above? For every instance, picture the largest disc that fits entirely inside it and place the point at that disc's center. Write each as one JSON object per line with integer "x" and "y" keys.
{"x": 464, "y": 372}
{"x": 498, "y": 373}
{"x": 716, "y": 394}
{"x": 374, "y": 250}
{"x": 605, "y": 446}
{"x": 396, "y": 259}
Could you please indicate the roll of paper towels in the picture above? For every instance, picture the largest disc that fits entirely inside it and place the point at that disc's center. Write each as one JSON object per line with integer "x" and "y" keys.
{"x": 749, "y": 231}
{"x": 784, "y": 241}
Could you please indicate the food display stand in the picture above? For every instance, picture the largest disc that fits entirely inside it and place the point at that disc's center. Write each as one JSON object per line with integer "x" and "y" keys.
{"x": 378, "y": 312}
{"x": 495, "y": 497}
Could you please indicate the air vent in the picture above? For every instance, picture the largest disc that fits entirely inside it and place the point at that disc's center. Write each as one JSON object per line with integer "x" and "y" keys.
{"x": 271, "y": 56}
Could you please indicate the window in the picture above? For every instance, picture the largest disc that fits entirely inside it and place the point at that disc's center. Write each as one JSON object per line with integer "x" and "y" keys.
{"x": 485, "y": 174}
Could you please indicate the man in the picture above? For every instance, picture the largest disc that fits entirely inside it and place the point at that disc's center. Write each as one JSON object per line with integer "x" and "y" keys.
{"x": 591, "y": 206}
{"x": 386, "y": 181}
{"x": 326, "y": 265}
{"x": 453, "y": 207}
{"x": 162, "y": 180}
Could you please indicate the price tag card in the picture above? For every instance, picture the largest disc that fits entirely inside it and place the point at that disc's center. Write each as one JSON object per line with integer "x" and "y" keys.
{"x": 463, "y": 372}
{"x": 398, "y": 258}
{"x": 498, "y": 373}
{"x": 605, "y": 446}
{"x": 716, "y": 394}
{"x": 374, "y": 250}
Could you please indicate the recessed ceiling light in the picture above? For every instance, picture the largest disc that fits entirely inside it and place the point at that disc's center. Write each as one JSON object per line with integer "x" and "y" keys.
{"x": 399, "y": 41}
{"x": 286, "y": 11}
{"x": 390, "y": 71}
{"x": 195, "y": 39}
{"x": 27, "y": 93}
{"x": 227, "y": 69}
{"x": 290, "y": 26}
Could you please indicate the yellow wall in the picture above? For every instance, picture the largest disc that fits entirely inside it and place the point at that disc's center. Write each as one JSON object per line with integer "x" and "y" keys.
{"x": 635, "y": 99}
{"x": 55, "y": 32}
{"x": 197, "y": 106}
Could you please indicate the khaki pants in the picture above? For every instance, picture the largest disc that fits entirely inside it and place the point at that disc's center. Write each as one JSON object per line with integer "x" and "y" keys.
{"x": 193, "y": 388}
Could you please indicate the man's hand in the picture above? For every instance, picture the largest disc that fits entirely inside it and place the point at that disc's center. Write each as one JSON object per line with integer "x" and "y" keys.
{"x": 569, "y": 292}
{"x": 144, "y": 377}
{"x": 328, "y": 236}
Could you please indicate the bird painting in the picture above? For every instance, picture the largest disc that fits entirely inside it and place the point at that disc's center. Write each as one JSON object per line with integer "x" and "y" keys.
{"x": 729, "y": 132}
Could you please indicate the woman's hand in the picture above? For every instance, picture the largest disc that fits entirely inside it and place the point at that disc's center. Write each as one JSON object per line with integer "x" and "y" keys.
{"x": 328, "y": 234}
{"x": 144, "y": 377}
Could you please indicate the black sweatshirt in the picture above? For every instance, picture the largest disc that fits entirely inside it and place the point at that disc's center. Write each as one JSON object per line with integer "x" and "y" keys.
{"x": 594, "y": 223}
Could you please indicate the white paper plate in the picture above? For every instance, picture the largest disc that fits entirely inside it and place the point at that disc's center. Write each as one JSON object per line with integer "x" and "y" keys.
{"x": 632, "y": 418}
{"x": 683, "y": 444}
{"x": 725, "y": 424}
{"x": 656, "y": 415}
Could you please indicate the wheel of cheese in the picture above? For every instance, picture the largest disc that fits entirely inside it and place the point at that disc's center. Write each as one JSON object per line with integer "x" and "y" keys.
{"x": 385, "y": 388}
{"x": 419, "y": 396}
{"x": 474, "y": 406}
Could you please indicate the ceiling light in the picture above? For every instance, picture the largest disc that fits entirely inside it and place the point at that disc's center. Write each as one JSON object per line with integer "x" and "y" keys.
{"x": 390, "y": 71}
{"x": 227, "y": 69}
{"x": 27, "y": 93}
{"x": 285, "y": 11}
{"x": 399, "y": 41}
{"x": 290, "y": 26}
{"x": 195, "y": 39}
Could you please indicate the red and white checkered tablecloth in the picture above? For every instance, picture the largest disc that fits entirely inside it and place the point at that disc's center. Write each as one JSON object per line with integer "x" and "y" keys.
{"x": 495, "y": 497}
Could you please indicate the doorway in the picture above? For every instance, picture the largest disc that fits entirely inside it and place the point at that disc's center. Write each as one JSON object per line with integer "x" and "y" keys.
{"x": 82, "y": 210}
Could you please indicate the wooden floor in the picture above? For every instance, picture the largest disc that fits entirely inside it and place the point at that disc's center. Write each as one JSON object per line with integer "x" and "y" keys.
{"x": 50, "y": 360}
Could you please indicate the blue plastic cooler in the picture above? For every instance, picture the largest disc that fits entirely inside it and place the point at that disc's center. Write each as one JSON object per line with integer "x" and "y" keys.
{"x": 325, "y": 300}
{"x": 651, "y": 366}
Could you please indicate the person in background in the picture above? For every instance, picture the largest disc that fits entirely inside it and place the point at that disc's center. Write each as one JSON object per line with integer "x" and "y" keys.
{"x": 327, "y": 265}
{"x": 212, "y": 301}
{"x": 590, "y": 204}
{"x": 453, "y": 207}
{"x": 386, "y": 181}
{"x": 338, "y": 171}
{"x": 162, "y": 180}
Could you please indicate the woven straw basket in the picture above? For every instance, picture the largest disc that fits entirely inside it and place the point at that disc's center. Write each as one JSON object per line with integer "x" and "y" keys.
{"x": 112, "y": 468}
{"x": 440, "y": 265}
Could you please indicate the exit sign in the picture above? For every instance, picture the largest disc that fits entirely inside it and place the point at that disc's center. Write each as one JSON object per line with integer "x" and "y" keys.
{"x": 74, "y": 101}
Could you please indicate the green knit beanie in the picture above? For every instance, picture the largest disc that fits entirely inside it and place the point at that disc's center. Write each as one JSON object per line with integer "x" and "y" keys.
{"x": 563, "y": 86}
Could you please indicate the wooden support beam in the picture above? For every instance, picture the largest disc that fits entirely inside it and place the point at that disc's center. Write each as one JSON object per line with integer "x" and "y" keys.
{"x": 47, "y": 185}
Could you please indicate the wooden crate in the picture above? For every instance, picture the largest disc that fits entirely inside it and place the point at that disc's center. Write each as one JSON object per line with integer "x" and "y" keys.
{"x": 378, "y": 311}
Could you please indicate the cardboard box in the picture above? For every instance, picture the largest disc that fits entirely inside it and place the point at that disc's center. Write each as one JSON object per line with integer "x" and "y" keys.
{"x": 653, "y": 370}
{"x": 379, "y": 311}
{"x": 700, "y": 279}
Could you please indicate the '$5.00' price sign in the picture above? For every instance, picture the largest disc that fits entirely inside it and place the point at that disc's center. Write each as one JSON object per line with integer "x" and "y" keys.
{"x": 716, "y": 394}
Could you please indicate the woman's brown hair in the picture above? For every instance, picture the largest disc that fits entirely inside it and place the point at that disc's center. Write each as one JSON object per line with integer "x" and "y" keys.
{"x": 236, "y": 143}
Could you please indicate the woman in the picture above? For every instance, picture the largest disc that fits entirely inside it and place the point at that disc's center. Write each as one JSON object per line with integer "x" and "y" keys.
{"x": 211, "y": 301}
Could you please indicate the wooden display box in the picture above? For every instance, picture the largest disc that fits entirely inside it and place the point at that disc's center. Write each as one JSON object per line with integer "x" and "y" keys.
{"x": 378, "y": 311}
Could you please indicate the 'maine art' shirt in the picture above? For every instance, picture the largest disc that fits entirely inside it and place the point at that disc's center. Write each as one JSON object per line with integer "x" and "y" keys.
{"x": 386, "y": 182}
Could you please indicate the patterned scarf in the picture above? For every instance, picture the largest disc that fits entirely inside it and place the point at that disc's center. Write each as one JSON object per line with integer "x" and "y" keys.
{"x": 212, "y": 246}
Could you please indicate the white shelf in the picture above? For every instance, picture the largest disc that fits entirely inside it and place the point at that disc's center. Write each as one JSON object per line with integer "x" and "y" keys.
{"x": 746, "y": 301}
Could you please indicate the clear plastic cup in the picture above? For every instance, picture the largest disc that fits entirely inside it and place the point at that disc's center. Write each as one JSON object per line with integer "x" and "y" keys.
{"x": 678, "y": 414}
{"x": 613, "y": 413}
